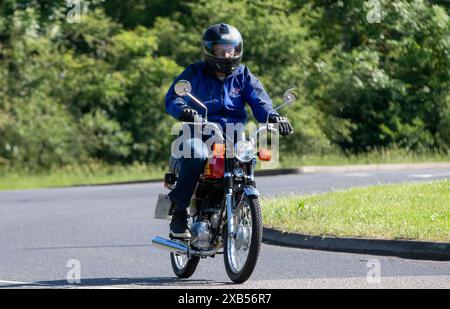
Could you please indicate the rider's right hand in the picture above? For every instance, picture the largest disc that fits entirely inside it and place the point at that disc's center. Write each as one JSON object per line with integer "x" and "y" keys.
{"x": 285, "y": 127}
{"x": 188, "y": 115}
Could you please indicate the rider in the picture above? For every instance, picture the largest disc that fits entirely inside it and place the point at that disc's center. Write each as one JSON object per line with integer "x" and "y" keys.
{"x": 223, "y": 84}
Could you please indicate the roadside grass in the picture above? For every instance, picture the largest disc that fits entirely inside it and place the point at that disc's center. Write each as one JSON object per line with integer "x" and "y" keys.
{"x": 379, "y": 156}
{"x": 419, "y": 211}
{"x": 101, "y": 173}
{"x": 88, "y": 174}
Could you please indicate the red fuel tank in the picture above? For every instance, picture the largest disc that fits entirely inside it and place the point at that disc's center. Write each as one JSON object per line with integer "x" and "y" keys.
{"x": 215, "y": 167}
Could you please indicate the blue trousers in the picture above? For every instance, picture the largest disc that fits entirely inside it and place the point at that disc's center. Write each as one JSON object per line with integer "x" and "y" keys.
{"x": 188, "y": 170}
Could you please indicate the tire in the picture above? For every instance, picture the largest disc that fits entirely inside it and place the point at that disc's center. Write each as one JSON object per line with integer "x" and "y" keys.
{"x": 188, "y": 270}
{"x": 254, "y": 248}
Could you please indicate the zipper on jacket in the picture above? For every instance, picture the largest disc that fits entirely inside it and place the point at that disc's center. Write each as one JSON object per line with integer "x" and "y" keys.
{"x": 222, "y": 93}
{"x": 222, "y": 97}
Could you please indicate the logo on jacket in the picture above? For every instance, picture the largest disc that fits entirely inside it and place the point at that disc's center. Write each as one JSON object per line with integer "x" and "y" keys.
{"x": 235, "y": 92}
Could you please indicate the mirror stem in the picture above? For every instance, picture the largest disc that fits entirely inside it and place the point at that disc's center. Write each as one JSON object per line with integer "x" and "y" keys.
{"x": 199, "y": 103}
{"x": 281, "y": 106}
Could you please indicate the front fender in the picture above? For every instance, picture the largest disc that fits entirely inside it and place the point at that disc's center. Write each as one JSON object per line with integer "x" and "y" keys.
{"x": 251, "y": 191}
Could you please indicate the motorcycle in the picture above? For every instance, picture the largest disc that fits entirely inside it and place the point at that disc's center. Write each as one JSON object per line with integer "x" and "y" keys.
{"x": 225, "y": 212}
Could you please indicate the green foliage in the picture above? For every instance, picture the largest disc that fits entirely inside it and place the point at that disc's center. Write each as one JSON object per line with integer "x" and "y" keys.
{"x": 444, "y": 125}
{"x": 133, "y": 13}
{"x": 388, "y": 80}
{"x": 38, "y": 133}
{"x": 149, "y": 79}
{"x": 78, "y": 92}
{"x": 92, "y": 35}
{"x": 103, "y": 137}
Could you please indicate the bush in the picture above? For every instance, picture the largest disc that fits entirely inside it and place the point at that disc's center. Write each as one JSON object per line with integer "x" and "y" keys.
{"x": 388, "y": 80}
{"x": 76, "y": 93}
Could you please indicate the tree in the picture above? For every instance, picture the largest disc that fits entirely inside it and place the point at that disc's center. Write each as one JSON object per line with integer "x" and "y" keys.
{"x": 389, "y": 81}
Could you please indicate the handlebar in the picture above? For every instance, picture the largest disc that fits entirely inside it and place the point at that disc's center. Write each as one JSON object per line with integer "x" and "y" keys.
{"x": 268, "y": 127}
{"x": 206, "y": 122}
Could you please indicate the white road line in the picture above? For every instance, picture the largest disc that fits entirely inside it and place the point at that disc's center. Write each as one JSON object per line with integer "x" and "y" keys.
{"x": 406, "y": 282}
{"x": 421, "y": 176}
{"x": 13, "y": 282}
{"x": 357, "y": 175}
{"x": 429, "y": 175}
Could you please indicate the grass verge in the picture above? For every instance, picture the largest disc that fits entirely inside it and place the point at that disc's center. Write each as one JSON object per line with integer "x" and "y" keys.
{"x": 382, "y": 156}
{"x": 79, "y": 175}
{"x": 100, "y": 173}
{"x": 419, "y": 211}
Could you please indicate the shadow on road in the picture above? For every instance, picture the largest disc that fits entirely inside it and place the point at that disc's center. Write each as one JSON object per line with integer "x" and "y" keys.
{"x": 122, "y": 282}
{"x": 89, "y": 247}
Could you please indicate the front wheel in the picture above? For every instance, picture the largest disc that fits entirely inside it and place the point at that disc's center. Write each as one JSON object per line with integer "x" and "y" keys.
{"x": 241, "y": 251}
{"x": 182, "y": 266}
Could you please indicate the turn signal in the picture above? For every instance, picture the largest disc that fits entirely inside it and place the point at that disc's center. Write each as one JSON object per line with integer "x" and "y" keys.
{"x": 265, "y": 154}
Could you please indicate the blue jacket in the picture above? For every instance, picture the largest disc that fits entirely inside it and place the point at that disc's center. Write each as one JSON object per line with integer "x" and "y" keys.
{"x": 226, "y": 99}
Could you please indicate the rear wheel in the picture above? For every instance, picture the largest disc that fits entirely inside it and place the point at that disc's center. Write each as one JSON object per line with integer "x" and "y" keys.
{"x": 241, "y": 251}
{"x": 182, "y": 266}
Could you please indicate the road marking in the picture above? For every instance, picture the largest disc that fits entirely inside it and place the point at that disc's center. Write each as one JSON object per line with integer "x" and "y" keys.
{"x": 421, "y": 176}
{"x": 357, "y": 175}
{"x": 406, "y": 282}
{"x": 402, "y": 282}
{"x": 13, "y": 282}
{"x": 429, "y": 175}
{"x": 106, "y": 287}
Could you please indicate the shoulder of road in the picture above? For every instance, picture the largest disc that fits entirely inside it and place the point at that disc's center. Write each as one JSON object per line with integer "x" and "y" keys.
{"x": 352, "y": 168}
{"x": 314, "y": 169}
{"x": 409, "y": 249}
{"x": 399, "y": 248}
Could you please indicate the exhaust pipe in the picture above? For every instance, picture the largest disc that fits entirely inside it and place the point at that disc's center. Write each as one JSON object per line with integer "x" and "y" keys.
{"x": 170, "y": 245}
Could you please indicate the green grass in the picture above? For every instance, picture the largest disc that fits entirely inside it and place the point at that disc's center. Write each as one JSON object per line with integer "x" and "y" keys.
{"x": 419, "y": 211}
{"x": 383, "y": 156}
{"x": 100, "y": 173}
{"x": 79, "y": 175}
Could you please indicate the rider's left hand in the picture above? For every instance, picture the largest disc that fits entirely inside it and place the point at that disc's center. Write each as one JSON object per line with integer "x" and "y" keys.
{"x": 285, "y": 128}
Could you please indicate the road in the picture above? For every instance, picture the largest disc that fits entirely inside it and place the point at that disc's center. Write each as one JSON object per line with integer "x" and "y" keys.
{"x": 104, "y": 234}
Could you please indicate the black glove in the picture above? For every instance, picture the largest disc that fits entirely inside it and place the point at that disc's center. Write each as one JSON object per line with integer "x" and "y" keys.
{"x": 188, "y": 115}
{"x": 285, "y": 127}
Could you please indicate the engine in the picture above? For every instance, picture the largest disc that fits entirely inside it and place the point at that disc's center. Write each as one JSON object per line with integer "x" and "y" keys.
{"x": 205, "y": 209}
{"x": 202, "y": 232}
{"x": 201, "y": 235}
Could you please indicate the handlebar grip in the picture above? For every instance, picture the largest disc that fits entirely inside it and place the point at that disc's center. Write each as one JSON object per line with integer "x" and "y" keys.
{"x": 271, "y": 127}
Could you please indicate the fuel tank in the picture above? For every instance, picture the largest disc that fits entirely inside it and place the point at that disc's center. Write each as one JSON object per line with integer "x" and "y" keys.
{"x": 215, "y": 167}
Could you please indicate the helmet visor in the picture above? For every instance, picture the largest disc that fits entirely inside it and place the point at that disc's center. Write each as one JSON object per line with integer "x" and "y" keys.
{"x": 224, "y": 49}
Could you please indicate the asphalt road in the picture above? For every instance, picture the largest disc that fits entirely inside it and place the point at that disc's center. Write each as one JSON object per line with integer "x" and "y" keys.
{"x": 107, "y": 231}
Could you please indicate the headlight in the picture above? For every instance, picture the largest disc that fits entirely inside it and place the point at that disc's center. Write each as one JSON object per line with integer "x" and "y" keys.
{"x": 244, "y": 151}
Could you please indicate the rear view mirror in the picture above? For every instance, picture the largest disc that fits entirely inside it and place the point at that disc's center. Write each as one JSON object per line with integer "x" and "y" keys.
{"x": 290, "y": 96}
{"x": 183, "y": 88}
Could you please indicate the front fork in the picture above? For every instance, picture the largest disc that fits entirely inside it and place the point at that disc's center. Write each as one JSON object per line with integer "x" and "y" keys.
{"x": 229, "y": 203}
{"x": 249, "y": 190}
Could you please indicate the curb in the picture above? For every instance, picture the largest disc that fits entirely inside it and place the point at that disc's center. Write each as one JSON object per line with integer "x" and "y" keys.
{"x": 408, "y": 249}
{"x": 312, "y": 169}
{"x": 371, "y": 167}
{"x": 306, "y": 170}
{"x": 131, "y": 182}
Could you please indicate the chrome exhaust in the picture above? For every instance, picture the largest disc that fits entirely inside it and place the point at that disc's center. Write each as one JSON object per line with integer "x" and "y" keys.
{"x": 170, "y": 245}
{"x": 180, "y": 248}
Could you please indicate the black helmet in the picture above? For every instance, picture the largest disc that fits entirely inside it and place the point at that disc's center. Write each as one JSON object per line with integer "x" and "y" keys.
{"x": 222, "y": 48}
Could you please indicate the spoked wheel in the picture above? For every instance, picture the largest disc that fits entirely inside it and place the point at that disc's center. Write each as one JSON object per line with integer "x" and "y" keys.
{"x": 242, "y": 250}
{"x": 182, "y": 266}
